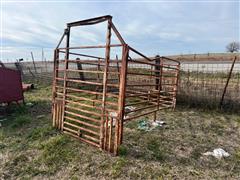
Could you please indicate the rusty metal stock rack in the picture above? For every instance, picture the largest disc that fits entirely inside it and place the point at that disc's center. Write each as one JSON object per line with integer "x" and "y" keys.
{"x": 92, "y": 98}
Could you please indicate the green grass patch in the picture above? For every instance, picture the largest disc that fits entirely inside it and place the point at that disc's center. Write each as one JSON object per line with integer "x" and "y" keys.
{"x": 20, "y": 121}
{"x": 41, "y": 133}
{"x": 122, "y": 150}
{"x": 156, "y": 149}
{"x": 56, "y": 152}
{"x": 117, "y": 167}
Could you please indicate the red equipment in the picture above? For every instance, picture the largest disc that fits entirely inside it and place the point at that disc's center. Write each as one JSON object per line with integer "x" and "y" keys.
{"x": 10, "y": 85}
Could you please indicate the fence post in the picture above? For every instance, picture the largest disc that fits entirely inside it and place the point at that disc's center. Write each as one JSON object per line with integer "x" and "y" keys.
{"x": 79, "y": 65}
{"x": 67, "y": 31}
{"x": 157, "y": 72}
{"x": 34, "y": 63}
{"x": 121, "y": 101}
{"x": 55, "y": 75}
{"x": 225, "y": 88}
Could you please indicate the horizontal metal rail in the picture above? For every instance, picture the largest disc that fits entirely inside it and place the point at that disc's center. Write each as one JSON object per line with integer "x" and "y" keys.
{"x": 89, "y": 92}
{"x": 84, "y": 111}
{"x": 91, "y": 100}
{"x": 91, "y": 47}
{"x": 82, "y": 122}
{"x": 81, "y": 128}
{"x": 142, "y": 108}
{"x": 90, "y": 106}
{"x": 74, "y": 134}
{"x": 84, "y": 55}
{"x": 139, "y": 115}
{"x": 82, "y": 116}
{"x": 86, "y": 82}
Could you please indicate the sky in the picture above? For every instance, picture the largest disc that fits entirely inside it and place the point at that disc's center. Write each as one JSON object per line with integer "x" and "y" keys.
{"x": 152, "y": 27}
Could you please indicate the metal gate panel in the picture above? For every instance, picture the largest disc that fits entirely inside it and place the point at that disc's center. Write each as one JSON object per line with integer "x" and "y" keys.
{"x": 93, "y": 95}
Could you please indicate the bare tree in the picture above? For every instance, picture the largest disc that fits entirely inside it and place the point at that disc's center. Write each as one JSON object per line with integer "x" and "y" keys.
{"x": 233, "y": 47}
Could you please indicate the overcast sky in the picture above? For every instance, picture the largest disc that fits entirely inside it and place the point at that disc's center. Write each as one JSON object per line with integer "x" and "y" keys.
{"x": 163, "y": 28}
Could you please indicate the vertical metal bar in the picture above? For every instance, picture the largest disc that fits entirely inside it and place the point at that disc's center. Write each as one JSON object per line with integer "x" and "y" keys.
{"x": 110, "y": 135}
{"x": 154, "y": 115}
{"x": 157, "y": 72}
{"x": 176, "y": 86}
{"x": 55, "y": 75}
{"x": 79, "y": 66}
{"x": 121, "y": 100}
{"x": 106, "y": 136}
{"x": 229, "y": 76}
{"x": 161, "y": 74}
{"x": 159, "y": 83}
{"x": 105, "y": 77}
{"x": 54, "y": 114}
{"x": 118, "y": 69}
{"x": 67, "y": 31}
{"x": 57, "y": 115}
{"x": 45, "y": 59}
{"x": 98, "y": 80}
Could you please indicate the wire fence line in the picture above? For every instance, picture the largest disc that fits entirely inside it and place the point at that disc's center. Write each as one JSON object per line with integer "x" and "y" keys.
{"x": 201, "y": 82}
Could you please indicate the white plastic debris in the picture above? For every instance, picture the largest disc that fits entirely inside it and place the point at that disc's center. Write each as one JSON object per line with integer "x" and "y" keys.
{"x": 158, "y": 123}
{"x": 128, "y": 109}
{"x": 1, "y": 120}
{"x": 40, "y": 116}
{"x": 114, "y": 116}
{"x": 149, "y": 126}
{"x": 29, "y": 104}
{"x": 217, "y": 153}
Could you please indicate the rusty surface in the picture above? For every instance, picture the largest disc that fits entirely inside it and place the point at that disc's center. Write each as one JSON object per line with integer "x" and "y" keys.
{"x": 113, "y": 90}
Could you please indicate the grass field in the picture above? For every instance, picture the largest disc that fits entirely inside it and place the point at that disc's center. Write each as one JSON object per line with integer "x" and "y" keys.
{"x": 31, "y": 149}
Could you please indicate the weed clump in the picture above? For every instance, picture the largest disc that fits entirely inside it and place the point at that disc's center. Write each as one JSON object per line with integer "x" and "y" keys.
{"x": 40, "y": 133}
{"x": 118, "y": 166}
{"x": 21, "y": 121}
{"x": 158, "y": 153}
{"x": 122, "y": 151}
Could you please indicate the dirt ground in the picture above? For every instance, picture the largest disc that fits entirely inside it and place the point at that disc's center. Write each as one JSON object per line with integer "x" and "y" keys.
{"x": 31, "y": 149}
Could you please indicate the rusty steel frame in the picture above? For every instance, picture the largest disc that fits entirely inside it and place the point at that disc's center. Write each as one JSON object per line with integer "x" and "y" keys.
{"x": 149, "y": 88}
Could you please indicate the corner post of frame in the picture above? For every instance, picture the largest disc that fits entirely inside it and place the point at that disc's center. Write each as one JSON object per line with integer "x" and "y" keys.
{"x": 105, "y": 77}
{"x": 55, "y": 75}
{"x": 67, "y": 33}
{"x": 176, "y": 86}
{"x": 158, "y": 82}
{"x": 121, "y": 100}
{"x": 157, "y": 72}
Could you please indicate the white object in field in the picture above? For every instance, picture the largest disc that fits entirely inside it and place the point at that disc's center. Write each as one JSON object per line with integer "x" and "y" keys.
{"x": 113, "y": 115}
{"x": 3, "y": 119}
{"x": 29, "y": 104}
{"x": 129, "y": 109}
{"x": 217, "y": 153}
{"x": 158, "y": 123}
